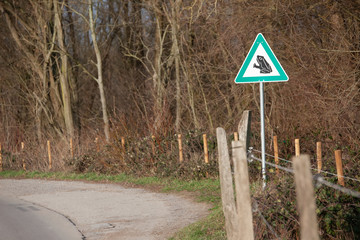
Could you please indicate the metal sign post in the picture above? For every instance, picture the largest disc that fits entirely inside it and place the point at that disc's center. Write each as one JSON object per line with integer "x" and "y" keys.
{"x": 260, "y": 66}
{"x": 262, "y": 120}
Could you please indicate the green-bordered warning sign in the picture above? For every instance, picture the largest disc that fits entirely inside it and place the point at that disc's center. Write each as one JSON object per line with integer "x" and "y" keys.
{"x": 261, "y": 65}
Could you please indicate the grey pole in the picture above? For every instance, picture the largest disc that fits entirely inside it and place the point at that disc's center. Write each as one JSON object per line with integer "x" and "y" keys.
{"x": 262, "y": 120}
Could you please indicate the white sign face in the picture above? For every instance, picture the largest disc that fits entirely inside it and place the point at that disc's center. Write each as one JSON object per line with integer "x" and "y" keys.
{"x": 260, "y": 56}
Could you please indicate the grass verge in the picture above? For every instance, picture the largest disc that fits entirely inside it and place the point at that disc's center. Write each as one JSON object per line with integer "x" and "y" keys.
{"x": 205, "y": 190}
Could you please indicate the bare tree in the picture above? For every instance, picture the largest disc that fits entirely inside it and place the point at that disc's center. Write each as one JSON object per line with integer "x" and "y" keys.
{"x": 64, "y": 72}
{"x": 99, "y": 67}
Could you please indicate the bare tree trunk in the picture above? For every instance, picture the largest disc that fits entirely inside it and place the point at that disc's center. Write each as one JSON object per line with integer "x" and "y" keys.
{"x": 63, "y": 74}
{"x": 74, "y": 74}
{"x": 158, "y": 85}
{"x": 176, "y": 52}
{"x": 190, "y": 91}
{"x": 99, "y": 70}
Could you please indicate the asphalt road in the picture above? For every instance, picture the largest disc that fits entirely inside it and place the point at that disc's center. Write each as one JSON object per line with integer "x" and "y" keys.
{"x": 98, "y": 211}
{"x": 20, "y": 220}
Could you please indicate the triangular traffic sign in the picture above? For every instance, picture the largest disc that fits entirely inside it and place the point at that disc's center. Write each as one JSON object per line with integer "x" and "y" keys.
{"x": 261, "y": 65}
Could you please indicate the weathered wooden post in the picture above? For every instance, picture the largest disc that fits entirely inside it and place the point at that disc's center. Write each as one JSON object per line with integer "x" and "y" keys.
{"x": 305, "y": 198}
{"x": 339, "y": 168}
{"x": 227, "y": 191}
{"x": 318, "y": 156}
{"x": 244, "y": 129}
{"x": 242, "y": 188}
{"x": 297, "y": 147}
{"x": 49, "y": 154}
{"x": 276, "y": 154}
{"x": 181, "y": 158}
{"x": 238, "y": 214}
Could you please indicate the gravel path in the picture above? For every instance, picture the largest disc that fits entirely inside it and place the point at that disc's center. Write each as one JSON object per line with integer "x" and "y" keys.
{"x": 110, "y": 211}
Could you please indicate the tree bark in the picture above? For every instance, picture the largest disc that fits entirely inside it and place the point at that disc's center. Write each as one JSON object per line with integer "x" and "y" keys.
{"x": 175, "y": 5}
{"x": 158, "y": 86}
{"x": 63, "y": 73}
{"x": 99, "y": 70}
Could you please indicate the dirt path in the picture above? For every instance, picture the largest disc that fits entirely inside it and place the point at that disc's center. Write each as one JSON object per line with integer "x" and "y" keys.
{"x": 110, "y": 211}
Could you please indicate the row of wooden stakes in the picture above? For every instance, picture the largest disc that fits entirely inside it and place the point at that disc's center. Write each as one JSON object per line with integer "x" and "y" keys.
{"x": 71, "y": 146}
{"x": 23, "y": 160}
{"x": 338, "y": 158}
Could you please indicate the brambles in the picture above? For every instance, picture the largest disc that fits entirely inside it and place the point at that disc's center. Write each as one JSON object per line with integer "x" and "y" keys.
{"x": 338, "y": 214}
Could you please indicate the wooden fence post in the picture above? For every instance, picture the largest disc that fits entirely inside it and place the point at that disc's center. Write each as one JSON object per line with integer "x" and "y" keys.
{"x": 244, "y": 128}
{"x": 227, "y": 191}
{"x": 49, "y": 154}
{"x": 297, "y": 147}
{"x": 153, "y": 144}
{"x": 114, "y": 106}
{"x": 97, "y": 144}
{"x": 1, "y": 163}
{"x": 236, "y": 136}
{"x": 22, "y": 157}
{"x": 206, "y": 152}
{"x": 305, "y": 198}
{"x": 181, "y": 158}
{"x": 242, "y": 188}
{"x": 71, "y": 148}
{"x": 276, "y": 154}
{"x": 318, "y": 156}
{"x": 123, "y": 143}
{"x": 339, "y": 168}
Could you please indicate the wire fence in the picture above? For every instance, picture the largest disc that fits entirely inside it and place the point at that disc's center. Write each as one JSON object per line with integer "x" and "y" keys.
{"x": 317, "y": 178}
{"x": 314, "y": 169}
{"x": 255, "y": 209}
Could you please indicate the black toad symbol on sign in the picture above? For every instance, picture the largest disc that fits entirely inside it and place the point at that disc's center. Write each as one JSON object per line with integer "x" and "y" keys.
{"x": 264, "y": 66}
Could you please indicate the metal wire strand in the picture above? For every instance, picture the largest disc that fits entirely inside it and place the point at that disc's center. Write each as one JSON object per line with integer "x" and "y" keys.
{"x": 317, "y": 178}
{"x": 272, "y": 164}
{"x": 256, "y": 209}
{"x": 322, "y": 171}
{"x": 338, "y": 187}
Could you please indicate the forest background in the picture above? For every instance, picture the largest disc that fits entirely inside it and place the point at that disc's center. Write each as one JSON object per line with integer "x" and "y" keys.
{"x": 122, "y": 79}
{"x": 80, "y": 69}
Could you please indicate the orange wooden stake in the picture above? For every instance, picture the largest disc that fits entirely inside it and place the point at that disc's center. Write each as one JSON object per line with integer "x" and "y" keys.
{"x": 1, "y": 164}
{"x": 97, "y": 144}
{"x": 153, "y": 144}
{"x": 181, "y": 158}
{"x": 49, "y": 154}
{"x": 71, "y": 148}
{"x": 339, "y": 168}
{"x": 123, "y": 143}
{"x": 276, "y": 154}
{"x": 318, "y": 156}
{"x": 236, "y": 136}
{"x": 22, "y": 151}
{"x": 297, "y": 147}
{"x": 206, "y": 152}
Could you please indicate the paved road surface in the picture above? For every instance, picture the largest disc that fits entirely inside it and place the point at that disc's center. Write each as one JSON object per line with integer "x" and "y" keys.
{"x": 20, "y": 220}
{"x": 100, "y": 211}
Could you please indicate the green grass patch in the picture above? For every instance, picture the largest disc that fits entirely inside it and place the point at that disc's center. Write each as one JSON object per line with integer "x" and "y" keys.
{"x": 211, "y": 227}
{"x": 204, "y": 190}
